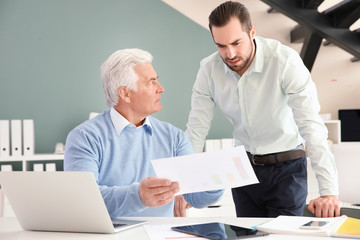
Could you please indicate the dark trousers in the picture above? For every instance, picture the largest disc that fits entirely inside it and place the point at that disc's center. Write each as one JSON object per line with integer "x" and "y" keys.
{"x": 282, "y": 191}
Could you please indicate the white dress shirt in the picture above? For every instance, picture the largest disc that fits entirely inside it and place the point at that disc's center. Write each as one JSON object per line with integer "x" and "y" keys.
{"x": 273, "y": 107}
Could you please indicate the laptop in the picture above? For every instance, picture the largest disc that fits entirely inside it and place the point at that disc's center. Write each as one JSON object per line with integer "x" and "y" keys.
{"x": 60, "y": 201}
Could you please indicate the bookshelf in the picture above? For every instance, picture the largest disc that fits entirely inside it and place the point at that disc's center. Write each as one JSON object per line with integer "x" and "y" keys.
{"x": 50, "y": 162}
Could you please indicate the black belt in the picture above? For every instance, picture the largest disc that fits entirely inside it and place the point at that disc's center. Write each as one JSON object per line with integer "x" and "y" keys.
{"x": 273, "y": 158}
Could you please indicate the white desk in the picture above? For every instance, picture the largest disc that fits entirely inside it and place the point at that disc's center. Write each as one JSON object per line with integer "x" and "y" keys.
{"x": 10, "y": 229}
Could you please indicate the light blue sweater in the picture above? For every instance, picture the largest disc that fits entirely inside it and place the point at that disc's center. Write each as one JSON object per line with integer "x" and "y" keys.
{"x": 119, "y": 155}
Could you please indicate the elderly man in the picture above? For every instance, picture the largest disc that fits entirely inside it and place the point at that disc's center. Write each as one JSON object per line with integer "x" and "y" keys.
{"x": 118, "y": 145}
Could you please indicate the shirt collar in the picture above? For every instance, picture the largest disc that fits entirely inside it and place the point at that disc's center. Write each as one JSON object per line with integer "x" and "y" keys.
{"x": 120, "y": 122}
{"x": 258, "y": 63}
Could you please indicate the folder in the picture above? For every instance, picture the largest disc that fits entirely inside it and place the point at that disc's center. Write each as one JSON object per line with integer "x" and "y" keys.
{"x": 2, "y": 200}
{"x": 93, "y": 114}
{"x": 4, "y": 138}
{"x": 227, "y": 143}
{"x": 6, "y": 168}
{"x": 38, "y": 167}
{"x": 16, "y": 138}
{"x": 212, "y": 145}
{"x": 349, "y": 229}
{"x": 292, "y": 225}
{"x": 29, "y": 137}
{"x": 50, "y": 167}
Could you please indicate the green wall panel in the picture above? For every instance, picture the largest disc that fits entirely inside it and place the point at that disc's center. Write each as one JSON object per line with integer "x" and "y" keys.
{"x": 51, "y": 52}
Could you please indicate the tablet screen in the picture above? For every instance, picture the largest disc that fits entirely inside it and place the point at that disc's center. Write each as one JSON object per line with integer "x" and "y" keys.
{"x": 217, "y": 230}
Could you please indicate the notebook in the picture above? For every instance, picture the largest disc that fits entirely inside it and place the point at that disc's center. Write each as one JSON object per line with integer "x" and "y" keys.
{"x": 60, "y": 201}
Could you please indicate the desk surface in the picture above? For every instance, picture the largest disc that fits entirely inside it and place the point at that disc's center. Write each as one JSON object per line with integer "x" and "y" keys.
{"x": 10, "y": 229}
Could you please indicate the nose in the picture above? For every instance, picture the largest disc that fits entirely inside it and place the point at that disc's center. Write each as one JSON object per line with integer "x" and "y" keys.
{"x": 160, "y": 88}
{"x": 230, "y": 52}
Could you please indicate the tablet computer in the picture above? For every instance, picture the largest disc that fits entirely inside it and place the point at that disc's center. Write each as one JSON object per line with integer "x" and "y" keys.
{"x": 218, "y": 230}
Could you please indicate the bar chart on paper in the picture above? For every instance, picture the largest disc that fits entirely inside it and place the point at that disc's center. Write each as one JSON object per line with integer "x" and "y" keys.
{"x": 207, "y": 171}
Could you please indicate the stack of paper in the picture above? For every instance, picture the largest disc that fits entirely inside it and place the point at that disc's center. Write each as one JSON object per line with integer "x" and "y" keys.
{"x": 350, "y": 228}
{"x": 338, "y": 227}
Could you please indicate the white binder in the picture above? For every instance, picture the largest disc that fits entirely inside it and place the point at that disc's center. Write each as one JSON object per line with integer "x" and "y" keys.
{"x": 50, "y": 167}
{"x": 227, "y": 143}
{"x": 38, "y": 167}
{"x": 4, "y": 138}
{"x": 6, "y": 168}
{"x": 16, "y": 138}
{"x": 212, "y": 145}
{"x": 29, "y": 137}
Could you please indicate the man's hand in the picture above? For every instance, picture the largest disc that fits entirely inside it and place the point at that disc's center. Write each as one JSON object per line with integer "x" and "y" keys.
{"x": 156, "y": 192}
{"x": 325, "y": 206}
{"x": 180, "y": 206}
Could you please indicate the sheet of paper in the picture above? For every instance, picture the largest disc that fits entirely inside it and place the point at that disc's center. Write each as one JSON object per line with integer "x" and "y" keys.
{"x": 164, "y": 232}
{"x": 291, "y": 225}
{"x": 206, "y": 171}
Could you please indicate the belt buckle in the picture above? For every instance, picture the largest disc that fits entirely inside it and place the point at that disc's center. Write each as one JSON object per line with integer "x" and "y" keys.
{"x": 253, "y": 161}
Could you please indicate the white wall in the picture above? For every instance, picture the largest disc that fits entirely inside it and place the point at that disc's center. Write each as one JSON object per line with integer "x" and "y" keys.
{"x": 336, "y": 77}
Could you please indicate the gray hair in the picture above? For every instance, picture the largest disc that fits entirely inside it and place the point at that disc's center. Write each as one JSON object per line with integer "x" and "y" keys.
{"x": 118, "y": 70}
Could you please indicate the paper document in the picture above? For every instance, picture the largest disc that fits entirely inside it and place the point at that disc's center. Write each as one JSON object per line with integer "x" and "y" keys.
{"x": 206, "y": 171}
{"x": 292, "y": 225}
{"x": 350, "y": 229}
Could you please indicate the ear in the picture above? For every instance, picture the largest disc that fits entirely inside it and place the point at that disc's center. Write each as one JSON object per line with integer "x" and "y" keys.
{"x": 252, "y": 32}
{"x": 124, "y": 94}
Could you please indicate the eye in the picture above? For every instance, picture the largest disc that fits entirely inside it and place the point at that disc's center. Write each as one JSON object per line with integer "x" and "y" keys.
{"x": 152, "y": 82}
{"x": 220, "y": 46}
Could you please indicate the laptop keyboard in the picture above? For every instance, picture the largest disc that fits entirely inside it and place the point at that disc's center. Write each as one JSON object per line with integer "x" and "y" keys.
{"x": 116, "y": 225}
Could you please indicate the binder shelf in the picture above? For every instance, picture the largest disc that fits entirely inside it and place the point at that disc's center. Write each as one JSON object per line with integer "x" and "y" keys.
{"x": 50, "y": 162}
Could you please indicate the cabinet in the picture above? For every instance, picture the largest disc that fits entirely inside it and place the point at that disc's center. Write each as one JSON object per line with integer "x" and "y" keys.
{"x": 46, "y": 162}
{"x": 50, "y": 162}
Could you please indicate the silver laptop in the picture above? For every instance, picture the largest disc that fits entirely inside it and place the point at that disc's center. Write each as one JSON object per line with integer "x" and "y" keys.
{"x": 60, "y": 201}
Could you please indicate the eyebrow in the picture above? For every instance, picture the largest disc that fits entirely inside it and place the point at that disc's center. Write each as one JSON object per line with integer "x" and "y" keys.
{"x": 237, "y": 40}
{"x": 154, "y": 78}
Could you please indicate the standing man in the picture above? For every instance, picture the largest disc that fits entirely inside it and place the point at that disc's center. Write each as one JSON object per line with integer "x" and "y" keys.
{"x": 265, "y": 91}
{"x": 118, "y": 145}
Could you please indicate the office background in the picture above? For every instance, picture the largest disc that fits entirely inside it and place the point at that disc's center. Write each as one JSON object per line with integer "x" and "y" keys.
{"x": 51, "y": 52}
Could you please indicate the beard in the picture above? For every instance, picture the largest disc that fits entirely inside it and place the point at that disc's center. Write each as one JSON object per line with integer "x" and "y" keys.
{"x": 243, "y": 62}
{"x": 239, "y": 67}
